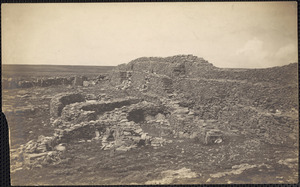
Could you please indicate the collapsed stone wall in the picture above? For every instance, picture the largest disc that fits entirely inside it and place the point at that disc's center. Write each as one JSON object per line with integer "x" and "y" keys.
{"x": 216, "y": 94}
{"x": 281, "y": 75}
{"x": 120, "y": 124}
{"x": 158, "y": 75}
{"x": 13, "y": 83}
{"x": 117, "y": 76}
{"x": 230, "y": 99}
{"x": 114, "y": 128}
{"x": 180, "y": 65}
{"x": 189, "y": 66}
{"x": 143, "y": 82}
{"x": 79, "y": 112}
{"x": 58, "y": 102}
{"x": 257, "y": 110}
{"x": 147, "y": 82}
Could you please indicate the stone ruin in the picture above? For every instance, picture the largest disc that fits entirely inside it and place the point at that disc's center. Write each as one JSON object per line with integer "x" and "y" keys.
{"x": 200, "y": 91}
{"x": 152, "y": 115}
{"x": 157, "y": 75}
{"x": 145, "y": 119}
{"x": 118, "y": 124}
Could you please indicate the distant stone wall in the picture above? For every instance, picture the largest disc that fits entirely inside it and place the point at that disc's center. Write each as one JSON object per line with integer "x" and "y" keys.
{"x": 11, "y": 83}
{"x": 43, "y": 82}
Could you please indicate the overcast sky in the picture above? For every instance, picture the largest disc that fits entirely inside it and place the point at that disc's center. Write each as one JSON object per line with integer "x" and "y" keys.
{"x": 251, "y": 35}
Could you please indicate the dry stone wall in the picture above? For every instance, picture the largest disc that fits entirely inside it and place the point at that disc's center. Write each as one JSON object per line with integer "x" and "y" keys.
{"x": 234, "y": 96}
{"x": 113, "y": 123}
{"x": 143, "y": 82}
{"x": 87, "y": 111}
{"x": 189, "y": 66}
{"x": 59, "y": 101}
{"x": 180, "y": 65}
{"x": 12, "y": 83}
{"x": 215, "y": 94}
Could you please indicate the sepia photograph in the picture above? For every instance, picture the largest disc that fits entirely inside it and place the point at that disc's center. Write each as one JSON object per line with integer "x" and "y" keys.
{"x": 151, "y": 93}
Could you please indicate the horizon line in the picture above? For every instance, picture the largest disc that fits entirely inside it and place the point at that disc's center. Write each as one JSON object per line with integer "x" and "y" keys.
{"x": 126, "y": 63}
{"x": 56, "y": 65}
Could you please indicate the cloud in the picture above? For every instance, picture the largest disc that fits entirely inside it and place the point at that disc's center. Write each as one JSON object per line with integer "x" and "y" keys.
{"x": 253, "y": 53}
{"x": 253, "y": 47}
{"x": 256, "y": 53}
{"x": 287, "y": 52}
{"x": 249, "y": 35}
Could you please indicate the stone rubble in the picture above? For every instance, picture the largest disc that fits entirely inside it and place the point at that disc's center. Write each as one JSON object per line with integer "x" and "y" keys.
{"x": 115, "y": 123}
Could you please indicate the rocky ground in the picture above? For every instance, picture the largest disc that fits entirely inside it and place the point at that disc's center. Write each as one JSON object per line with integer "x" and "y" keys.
{"x": 117, "y": 131}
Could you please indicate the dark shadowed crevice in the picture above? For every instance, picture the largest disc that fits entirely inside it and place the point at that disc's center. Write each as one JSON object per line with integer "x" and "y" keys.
{"x": 136, "y": 115}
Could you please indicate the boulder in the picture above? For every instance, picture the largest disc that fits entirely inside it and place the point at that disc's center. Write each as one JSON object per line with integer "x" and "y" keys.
{"x": 60, "y": 147}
